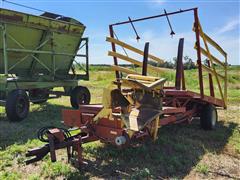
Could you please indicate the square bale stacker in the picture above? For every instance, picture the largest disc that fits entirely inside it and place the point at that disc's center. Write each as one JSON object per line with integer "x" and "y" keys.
{"x": 137, "y": 105}
{"x": 38, "y": 54}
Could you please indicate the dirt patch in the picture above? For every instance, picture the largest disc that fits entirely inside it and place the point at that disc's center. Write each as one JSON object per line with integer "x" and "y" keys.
{"x": 219, "y": 166}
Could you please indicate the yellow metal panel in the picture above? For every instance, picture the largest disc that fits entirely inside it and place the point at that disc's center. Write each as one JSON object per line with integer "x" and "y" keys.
{"x": 39, "y": 22}
{"x": 76, "y": 29}
{"x": 104, "y": 113}
{"x": 106, "y": 102}
{"x": 15, "y": 14}
{"x": 127, "y": 46}
{"x": 144, "y": 82}
{"x": 59, "y": 25}
{"x": 131, "y": 84}
{"x": 140, "y": 77}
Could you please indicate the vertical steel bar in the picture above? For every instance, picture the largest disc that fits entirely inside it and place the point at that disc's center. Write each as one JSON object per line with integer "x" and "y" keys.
{"x": 54, "y": 66}
{"x": 179, "y": 67}
{"x": 87, "y": 59}
{"x": 210, "y": 81}
{"x": 225, "y": 82}
{"x": 145, "y": 59}
{"x": 156, "y": 127}
{"x": 53, "y": 58}
{"x": 79, "y": 151}
{"x": 114, "y": 58}
{"x": 5, "y": 58}
{"x": 52, "y": 148}
{"x": 196, "y": 26}
{"x": 183, "y": 79}
{"x": 114, "y": 50}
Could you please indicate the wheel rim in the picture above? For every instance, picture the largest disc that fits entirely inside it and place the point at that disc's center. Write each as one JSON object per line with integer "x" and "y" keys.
{"x": 82, "y": 99}
{"x": 214, "y": 117}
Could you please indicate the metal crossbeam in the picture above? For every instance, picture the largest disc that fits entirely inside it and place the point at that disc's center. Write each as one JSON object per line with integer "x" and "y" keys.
{"x": 131, "y": 60}
{"x": 122, "y": 69}
{"x": 129, "y": 47}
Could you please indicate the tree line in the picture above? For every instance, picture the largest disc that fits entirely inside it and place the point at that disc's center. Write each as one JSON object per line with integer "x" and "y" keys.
{"x": 187, "y": 63}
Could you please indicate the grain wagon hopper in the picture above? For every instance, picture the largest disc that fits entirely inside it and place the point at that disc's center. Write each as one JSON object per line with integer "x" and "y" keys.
{"x": 137, "y": 105}
{"x": 37, "y": 54}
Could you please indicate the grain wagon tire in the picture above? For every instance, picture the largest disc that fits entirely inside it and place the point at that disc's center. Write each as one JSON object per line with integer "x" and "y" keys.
{"x": 38, "y": 96}
{"x": 17, "y": 105}
{"x": 79, "y": 95}
{"x": 208, "y": 117}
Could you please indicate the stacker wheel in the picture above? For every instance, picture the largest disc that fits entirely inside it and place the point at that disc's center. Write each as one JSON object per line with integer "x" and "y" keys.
{"x": 38, "y": 96}
{"x": 208, "y": 117}
{"x": 17, "y": 105}
{"x": 79, "y": 95}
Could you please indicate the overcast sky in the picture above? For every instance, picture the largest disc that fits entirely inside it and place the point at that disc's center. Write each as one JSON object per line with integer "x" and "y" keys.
{"x": 219, "y": 19}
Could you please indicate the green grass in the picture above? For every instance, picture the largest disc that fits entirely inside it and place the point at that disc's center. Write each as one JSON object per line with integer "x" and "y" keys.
{"x": 235, "y": 140}
{"x": 202, "y": 168}
{"x": 178, "y": 151}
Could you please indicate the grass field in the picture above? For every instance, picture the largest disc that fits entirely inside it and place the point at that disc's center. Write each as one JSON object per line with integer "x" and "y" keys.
{"x": 181, "y": 151}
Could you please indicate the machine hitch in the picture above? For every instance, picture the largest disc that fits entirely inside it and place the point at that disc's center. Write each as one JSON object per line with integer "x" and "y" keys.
{"x": 57, "y": 140}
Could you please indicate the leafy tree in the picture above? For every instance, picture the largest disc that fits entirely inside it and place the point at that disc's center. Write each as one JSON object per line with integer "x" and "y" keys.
{"x": 188, "y": 63}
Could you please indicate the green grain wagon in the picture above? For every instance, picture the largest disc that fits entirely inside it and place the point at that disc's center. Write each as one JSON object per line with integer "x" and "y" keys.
{"x": 38, "y": 54}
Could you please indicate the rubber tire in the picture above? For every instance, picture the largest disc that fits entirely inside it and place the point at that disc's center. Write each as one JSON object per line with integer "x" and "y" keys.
{"x": 13, "y": 100}
{"x": 44, "y": 98}
{"x": 208, "y": 117}
{"x": 78, "y": 92}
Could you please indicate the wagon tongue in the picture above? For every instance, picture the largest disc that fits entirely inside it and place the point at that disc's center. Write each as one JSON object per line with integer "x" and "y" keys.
{"x": 139, "y": 118}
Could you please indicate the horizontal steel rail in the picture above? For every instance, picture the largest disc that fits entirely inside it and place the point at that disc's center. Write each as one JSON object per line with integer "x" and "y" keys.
{"x": 153, "y": 17}
{"x": 133, "y": 61}
{"x": 129, "y": 47}
{"x": 122, "y": 69}
{"x": 43, "y": 52}
{"x": 216, "y": 60}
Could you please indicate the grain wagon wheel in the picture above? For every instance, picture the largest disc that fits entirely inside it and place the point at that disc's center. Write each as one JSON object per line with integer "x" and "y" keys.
{"x": 38, "y": 96}
{"x": 79, "y": 95}
{"x": 208, "y": 117}
{"x": 17, "y": 105}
